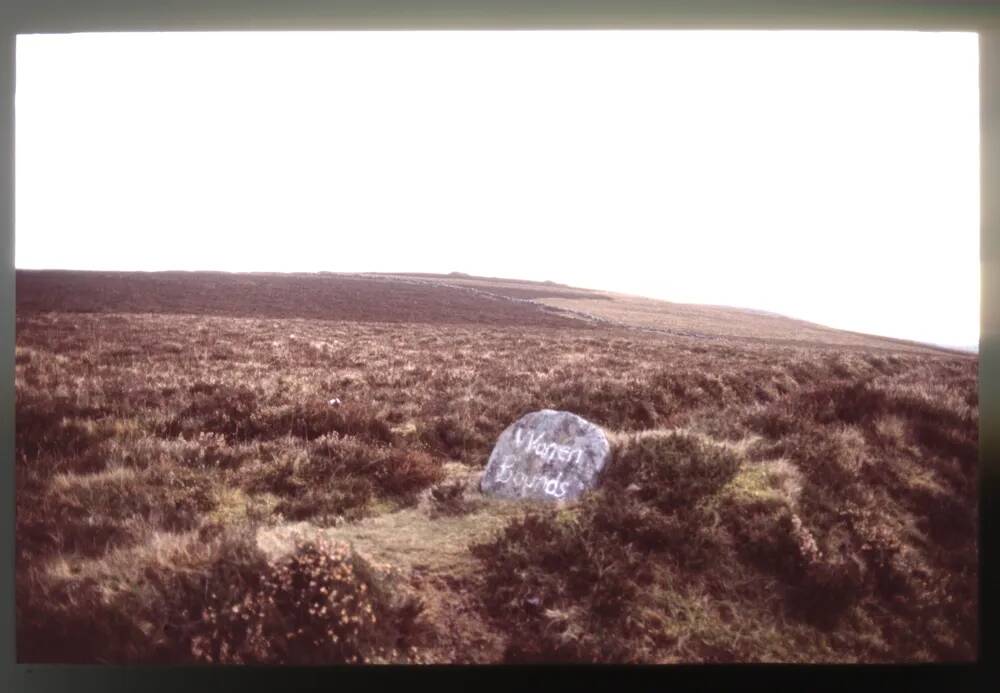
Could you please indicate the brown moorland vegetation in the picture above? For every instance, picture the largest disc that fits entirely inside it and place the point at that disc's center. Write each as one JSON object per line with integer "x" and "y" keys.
{"x": 676, "y": 319}
{"x": 792, "y": 498}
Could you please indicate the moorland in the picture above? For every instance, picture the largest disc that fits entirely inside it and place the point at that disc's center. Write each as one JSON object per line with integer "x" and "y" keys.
{"x": 779, "y": 491}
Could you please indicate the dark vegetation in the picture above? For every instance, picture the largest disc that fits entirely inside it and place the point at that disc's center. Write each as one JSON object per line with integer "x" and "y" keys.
{"x": 765, "y": 502}
{"x": 450, "y": 498}
{"x": 322, "y": 604}
{"x": 353, "y": 298}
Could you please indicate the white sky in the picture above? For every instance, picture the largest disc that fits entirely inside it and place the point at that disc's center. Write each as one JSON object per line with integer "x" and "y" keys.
{"x": 831, "y": 176}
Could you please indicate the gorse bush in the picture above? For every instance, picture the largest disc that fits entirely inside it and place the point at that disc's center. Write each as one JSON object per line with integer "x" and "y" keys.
{"x": 150, "y": 622}
{"x": 321, "y": 605}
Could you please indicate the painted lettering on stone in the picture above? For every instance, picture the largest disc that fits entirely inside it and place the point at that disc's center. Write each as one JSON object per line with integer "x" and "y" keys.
{"x": 546, "y": 454}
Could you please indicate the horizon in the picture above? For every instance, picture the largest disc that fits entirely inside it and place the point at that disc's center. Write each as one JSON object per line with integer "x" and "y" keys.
{"x": 464, "y": 275}
{"x": 553, "y": 142}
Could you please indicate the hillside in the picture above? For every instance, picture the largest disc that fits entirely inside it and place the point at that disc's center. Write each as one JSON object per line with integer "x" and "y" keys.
{"x": 778, "y": 491}
{"x": 341, "y": 297}
{"x": 420, "y": 298}
{"x": 675, "y": 319}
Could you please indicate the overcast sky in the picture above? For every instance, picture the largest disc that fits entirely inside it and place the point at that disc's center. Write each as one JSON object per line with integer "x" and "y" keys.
{"x": 830, "y": 176}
